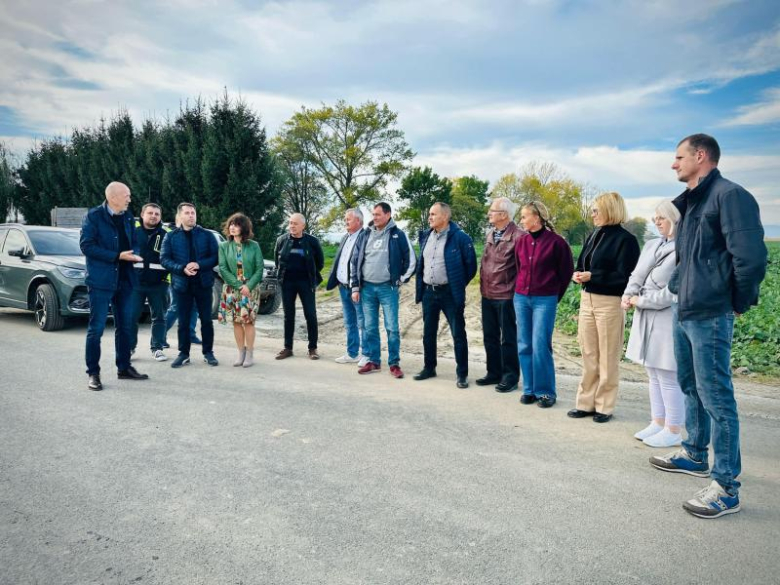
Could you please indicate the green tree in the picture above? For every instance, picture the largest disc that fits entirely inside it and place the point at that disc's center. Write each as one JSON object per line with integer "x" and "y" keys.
{"x": 509, "y": 186}
{"x": 355, "y": 149}
{"x": 638, "y": 227}
{"x": 7, "y": 183}
{"x": 469, "y": 205}
{"x": 421, "y": 188}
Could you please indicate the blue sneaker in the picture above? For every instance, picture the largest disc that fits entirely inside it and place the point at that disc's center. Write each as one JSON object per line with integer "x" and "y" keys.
{"x": 680, "y": 462}
{"x": 712, "y": 502}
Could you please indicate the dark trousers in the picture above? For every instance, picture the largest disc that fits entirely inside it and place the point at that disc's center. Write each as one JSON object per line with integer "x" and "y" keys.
{"x": 290, "y": 290}
{"x": 499, "y": 335}
{"x": 157, "y": 295}
{"x": 122, "y": 307}
{"x": 434, "y": 302}
{"x": 200, "y": 298}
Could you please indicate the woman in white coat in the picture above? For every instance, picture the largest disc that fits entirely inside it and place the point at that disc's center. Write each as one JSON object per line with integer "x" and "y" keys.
{"x": 651, "y": 342}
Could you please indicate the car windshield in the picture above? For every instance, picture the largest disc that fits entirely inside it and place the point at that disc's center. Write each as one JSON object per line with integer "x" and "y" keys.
{"x": 55, "y": 242}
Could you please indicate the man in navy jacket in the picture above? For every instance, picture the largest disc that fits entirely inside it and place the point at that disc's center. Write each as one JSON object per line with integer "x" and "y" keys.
{"x": 190, "y": 254}
{"x": 106, "y": 241}
{"x": 721, "y": 262}
{"x": 447, "y": 264}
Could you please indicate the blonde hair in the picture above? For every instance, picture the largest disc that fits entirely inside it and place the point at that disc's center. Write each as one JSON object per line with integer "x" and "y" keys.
{"x": 668, "y": 210}
{"x": 540, "y": 210}
{"x": 612, "y": 208}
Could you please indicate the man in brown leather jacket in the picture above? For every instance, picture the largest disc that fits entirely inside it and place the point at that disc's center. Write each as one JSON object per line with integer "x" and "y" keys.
{"x": 497, "y": 274}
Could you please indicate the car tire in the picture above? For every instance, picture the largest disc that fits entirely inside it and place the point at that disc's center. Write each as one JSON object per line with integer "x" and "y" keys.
{"x": 216, "y": 297}
{"x": 270, "y": 304}
{"x": 46, "y": 306}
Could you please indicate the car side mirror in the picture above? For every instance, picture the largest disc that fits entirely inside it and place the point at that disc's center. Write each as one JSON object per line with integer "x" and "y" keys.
{"x": 21, "y": 253}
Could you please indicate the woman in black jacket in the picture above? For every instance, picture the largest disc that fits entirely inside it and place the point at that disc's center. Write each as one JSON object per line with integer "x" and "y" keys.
{"x": 607, "y": 259}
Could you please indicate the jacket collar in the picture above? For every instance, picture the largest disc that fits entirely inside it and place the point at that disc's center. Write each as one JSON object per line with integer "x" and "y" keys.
{"x": 510, "y": 229}
{"x": 704, "y": 184}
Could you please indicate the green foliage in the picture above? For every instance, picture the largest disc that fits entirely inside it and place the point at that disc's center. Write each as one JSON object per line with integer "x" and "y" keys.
{"x": 421, "y": 188}
{"x": 638, "y": 227}
{"x": 469, "y": 205}
{"x": 213, "y": 156}
{"x": 356, "y": 150}
{"x": 6, "y": 183}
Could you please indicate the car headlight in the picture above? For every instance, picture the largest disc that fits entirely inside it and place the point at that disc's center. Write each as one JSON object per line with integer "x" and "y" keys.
{"x": 74, "y": 273}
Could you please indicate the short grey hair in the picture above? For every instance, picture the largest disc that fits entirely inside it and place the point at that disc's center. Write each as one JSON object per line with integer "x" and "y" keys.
{"x": 445, "y": 209}
{"x": 668, "y": 210}
{"x": 298, "y": 215}
{"x": 356, "y": 212}
{"x": 506, "y": 205}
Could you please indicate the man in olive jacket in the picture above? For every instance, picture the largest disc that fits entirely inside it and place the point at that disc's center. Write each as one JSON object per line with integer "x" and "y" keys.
{"x": 721, "y": 263}
{"x": 299, "y": 260}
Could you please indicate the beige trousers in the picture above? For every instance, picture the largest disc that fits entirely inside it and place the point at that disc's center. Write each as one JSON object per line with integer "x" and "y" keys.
{"x": 600, "y": 334}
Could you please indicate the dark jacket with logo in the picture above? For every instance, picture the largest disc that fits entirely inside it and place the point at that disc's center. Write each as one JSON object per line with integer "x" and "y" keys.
{"x": 99, "y": 242}
{"x": 498, "y": 269}
{"x": 610, "y": 254}
{"x": 312, "y": 252}
{"x": 720, "y": 250}
{"x": 460, "y": 261}
{"x": 400, "y": 254}
{"x": 175, "y": 255}
{"x": 544, "y": 265}
{"x": 149, "y": 246}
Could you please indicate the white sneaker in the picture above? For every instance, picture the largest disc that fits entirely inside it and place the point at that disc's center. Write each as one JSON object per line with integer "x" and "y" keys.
{"x": 159, "y": 355}
{"x": 665, "y": 438}
{"x": 346, "y": 359}
{"x": 652, "y": 429}
{"x": 363, "y": 361}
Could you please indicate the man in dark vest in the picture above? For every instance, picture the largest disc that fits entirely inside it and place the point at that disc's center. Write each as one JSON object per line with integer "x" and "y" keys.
{"x": 107, "y": 242}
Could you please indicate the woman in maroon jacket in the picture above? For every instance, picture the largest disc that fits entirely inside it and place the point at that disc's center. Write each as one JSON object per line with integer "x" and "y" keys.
{"x": 544, "y": 269}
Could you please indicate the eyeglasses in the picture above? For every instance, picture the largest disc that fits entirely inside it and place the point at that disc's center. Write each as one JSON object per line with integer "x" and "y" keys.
{"x": 594, "y": 211}
{"x": 496, "y": 211}
{"x": 658, "y": 218}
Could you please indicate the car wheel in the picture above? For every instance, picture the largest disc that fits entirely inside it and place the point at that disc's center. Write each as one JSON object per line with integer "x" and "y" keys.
{"x": 47, "y": 309}
{"x": 270, "y": 304}
{"x": 216, "y": 297}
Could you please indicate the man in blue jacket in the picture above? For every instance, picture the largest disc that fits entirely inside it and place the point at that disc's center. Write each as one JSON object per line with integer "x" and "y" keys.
{"x": 721, "y": 262}
{"x": 190, "y": 254}
{"x": 106, "y": 241}
{"x": 383, "y": 260}
{"x": 447, "y": 264}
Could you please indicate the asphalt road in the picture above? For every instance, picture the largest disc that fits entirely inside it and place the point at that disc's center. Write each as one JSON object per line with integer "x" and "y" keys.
{"x": 304, "y": 472}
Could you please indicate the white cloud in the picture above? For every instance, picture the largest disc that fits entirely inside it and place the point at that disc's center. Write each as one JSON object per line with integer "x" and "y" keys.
{"x": 766, "y": 111}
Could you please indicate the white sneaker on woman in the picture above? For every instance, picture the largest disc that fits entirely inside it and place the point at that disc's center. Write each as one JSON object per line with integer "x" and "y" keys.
{"x": 665, "y": 438}
{"x": 652, "y": 429}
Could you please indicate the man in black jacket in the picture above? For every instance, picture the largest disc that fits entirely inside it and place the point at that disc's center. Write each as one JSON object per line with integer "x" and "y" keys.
{"x": 299, "y": 261}
{"x": 190, "y": 254}
{"x": 152, "y": 277}
{"x": 721, "y": 262}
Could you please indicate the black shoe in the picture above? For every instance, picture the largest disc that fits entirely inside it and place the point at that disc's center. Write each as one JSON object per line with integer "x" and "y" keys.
{"x": 527, "y": 399}
{"x": 195, "y": 340}
{"x": 575, "y": 413}
{"x": 601, "y": 418}
{"x": 505, "y": 387}
{"x": 545, "y": 402}
{"x": 487, "y": 381}
{"x": 181, "y": 360}
{"x": 94, "y": 382}
{"x": 424, "y": 374}
{"x": 210, "y": 359}
{"x": 131, "y": 374}
{"x": 463, "y": 382}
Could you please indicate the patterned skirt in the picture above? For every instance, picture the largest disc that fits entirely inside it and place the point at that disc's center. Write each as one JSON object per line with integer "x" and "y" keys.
{"x": 236, "y": 308}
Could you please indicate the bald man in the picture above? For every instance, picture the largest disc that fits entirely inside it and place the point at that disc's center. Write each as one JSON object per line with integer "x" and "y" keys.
{"x": 299, "y": 262}
{"x": 106, "y": 241}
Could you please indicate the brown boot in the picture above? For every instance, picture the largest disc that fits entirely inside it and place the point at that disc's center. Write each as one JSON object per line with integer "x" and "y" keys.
{"x": 313, "y": 355}
{"x": 284, "y": 354}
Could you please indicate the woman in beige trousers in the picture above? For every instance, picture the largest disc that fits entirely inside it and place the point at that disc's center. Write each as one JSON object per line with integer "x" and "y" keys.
{"x": 607, "y": 259}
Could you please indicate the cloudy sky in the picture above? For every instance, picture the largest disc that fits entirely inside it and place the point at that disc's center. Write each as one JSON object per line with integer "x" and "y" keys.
{"x": 603, "y": 88}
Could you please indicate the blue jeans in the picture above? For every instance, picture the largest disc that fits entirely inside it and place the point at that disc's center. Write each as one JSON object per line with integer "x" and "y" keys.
{"x": 157, "y": 295}
{"x": 354, "y": 322}
{"x": 121, "y": 302}
{"x": 371, "y": 297}
{"x": 535, "y": 321}
{"x": 703, "y": 353}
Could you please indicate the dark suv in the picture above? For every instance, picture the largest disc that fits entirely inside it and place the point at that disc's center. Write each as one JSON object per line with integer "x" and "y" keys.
{"x": 42, "y": 270}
